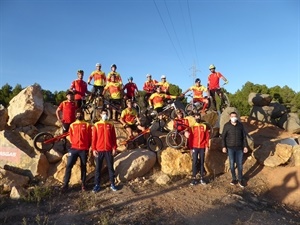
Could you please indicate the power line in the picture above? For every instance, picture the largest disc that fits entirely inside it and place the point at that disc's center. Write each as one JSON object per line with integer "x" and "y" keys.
{"x": 168, "y": 33}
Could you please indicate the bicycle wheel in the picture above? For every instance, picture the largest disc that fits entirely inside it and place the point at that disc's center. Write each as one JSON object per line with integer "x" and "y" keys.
{"x": 174, "y": 139}
{"x": 154, "y": 143}
{"x": 40, "y": 143}
{"x": 173, "y": 113}
{"x": 190, "y": 109}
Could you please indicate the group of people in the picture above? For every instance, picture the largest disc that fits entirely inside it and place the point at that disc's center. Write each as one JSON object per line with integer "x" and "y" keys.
{"x": 101, "y": 137}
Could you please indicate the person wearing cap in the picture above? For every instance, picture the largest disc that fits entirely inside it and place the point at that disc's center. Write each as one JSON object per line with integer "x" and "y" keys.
{"x": 156, "y": 100}
{"x": 130, "y": 120}
{"x": 149, "y": 87}
{"x": 113, "y": 71}
{"x": 164, "y": 84}
{"x": 79, "y": 88}
{"x": 65, "y": 113}
{"x": 199, "y": 143}
{"x": 213, "y": 83}
{"x": 198, "y": 90}
{"x": 130, "y": 89}
{"x": 99, "y": 80}
{"x": 115, "y": 91}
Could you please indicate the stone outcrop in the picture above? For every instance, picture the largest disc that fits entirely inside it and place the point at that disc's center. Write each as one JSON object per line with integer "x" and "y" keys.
{"x": 26, "y": 107}
{"x": 134, "y": 163}
{"x": 264, "y": 110}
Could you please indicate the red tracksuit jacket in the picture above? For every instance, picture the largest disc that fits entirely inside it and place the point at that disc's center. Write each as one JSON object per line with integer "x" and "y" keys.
{"x": 104, "y": 136}
{"x": 80, "y": 135}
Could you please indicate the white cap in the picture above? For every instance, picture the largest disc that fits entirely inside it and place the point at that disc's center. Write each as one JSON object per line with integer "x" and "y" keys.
{"x": 163, "y": 76}
{"x": 98, "y": 64}
{"x": 148, "y": 75}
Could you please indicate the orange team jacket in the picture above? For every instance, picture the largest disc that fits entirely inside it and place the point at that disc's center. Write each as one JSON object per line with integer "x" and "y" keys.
{"x": 198, "y": 91}
{"x": 118, "y": 77}
{"x": 199, "y": 136}
{"x": 164, "y": 86}
{"x": 214, "y": 80}
{"x": 158, "y": 99}
{"x": 104, "y": 136}
{"x": 129, "y": 115}
{"x": 99, "y": 78}
{"x": 80, "y": 135}
{"x": 149, "y": 86}
{"x": 68, "y": 109}
{"x": 181, "y": 124}
{"x": 114, "y": 89}
{"x": 80, "y": 88}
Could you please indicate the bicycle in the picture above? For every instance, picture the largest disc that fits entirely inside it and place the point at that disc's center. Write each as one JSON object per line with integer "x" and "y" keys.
{"x": 154, "y": 143}
{"x": 44, "y": 141}
{"x": 169, "y": 109}
{"x": 176, "y": 139}
{"x": 196, "y": 107}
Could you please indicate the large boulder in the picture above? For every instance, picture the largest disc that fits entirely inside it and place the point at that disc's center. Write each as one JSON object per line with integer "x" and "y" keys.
{"x": 257, "y": 99}
{"x": 9, "y": 179}
{"x": 26, "y": 107}
{"x": 16, "y": 151}
{"x": 173, "y": 162}
{"x": 134, "y": 163}
{"x": 290, "y": 122}
{"x": 225, "y": 117}
{"x": 48, "y": 116}
{"x": 273, "y": 154}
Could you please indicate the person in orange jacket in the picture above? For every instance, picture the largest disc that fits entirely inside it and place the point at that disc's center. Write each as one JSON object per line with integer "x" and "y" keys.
{"x": 80, "y": 138}
{"x": 104, "y": 145}
{"x": 199, "y": 142}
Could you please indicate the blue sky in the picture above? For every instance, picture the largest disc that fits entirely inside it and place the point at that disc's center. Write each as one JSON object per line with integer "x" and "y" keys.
{"x": 46, "y": 42}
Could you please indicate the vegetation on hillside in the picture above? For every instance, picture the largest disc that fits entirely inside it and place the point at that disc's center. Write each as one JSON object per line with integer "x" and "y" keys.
{"x": 283, "y": 95}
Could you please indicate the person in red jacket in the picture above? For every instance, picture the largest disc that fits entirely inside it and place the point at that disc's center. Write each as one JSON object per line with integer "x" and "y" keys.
{"x": 104, "y": 145}
{"x": 182, "y": 125}
{"x": 80, "y": 138}
{"x": 199, "y": 141}
{"x": 149, "y": 87}
{"x": 79, "y": 88}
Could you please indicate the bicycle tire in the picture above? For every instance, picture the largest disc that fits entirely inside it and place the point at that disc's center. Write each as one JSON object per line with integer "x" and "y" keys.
{"x": 39, "y": 139}
{"x": 173, "y": 113}
{"x": 137, "y": 107}
{"x": 190, "y": 109}
{"x": 154, "y": 143}
{"x": 174, "y": 139}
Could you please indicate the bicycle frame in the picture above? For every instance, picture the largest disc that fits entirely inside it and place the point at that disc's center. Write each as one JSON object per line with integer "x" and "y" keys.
{"x": 132, "y": 139}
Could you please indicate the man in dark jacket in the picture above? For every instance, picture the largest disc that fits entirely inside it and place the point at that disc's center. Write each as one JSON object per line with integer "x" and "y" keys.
{"x": 234, "y": 142}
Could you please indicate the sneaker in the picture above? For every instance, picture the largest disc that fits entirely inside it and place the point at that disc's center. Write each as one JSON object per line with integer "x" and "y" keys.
{"x": 194, "y": 182}
{"x": 113, "y": 187}
{"x": 241, "y": 184}
{"x": 233, "y": 182}
{"x": 96, "y": 188}
{"x": 202, "y": 182}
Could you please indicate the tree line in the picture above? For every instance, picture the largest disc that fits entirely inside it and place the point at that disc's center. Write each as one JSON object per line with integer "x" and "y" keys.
{"x": 283, "y": 95}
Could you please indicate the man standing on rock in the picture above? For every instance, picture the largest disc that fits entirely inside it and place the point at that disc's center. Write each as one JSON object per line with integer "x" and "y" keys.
{"x": 80, "y": 138}
{"x": 104, "y": 145}
{"x": 234, "y": 142}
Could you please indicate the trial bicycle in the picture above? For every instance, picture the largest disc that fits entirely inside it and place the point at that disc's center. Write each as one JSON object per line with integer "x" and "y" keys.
{"x": 44, "y": 141}
{"x": 154, "y": 143}
{"x": 196, "y": 107}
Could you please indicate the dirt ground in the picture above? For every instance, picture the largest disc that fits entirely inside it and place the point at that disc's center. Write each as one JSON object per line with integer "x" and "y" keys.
{"x": 271, "y": 196}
